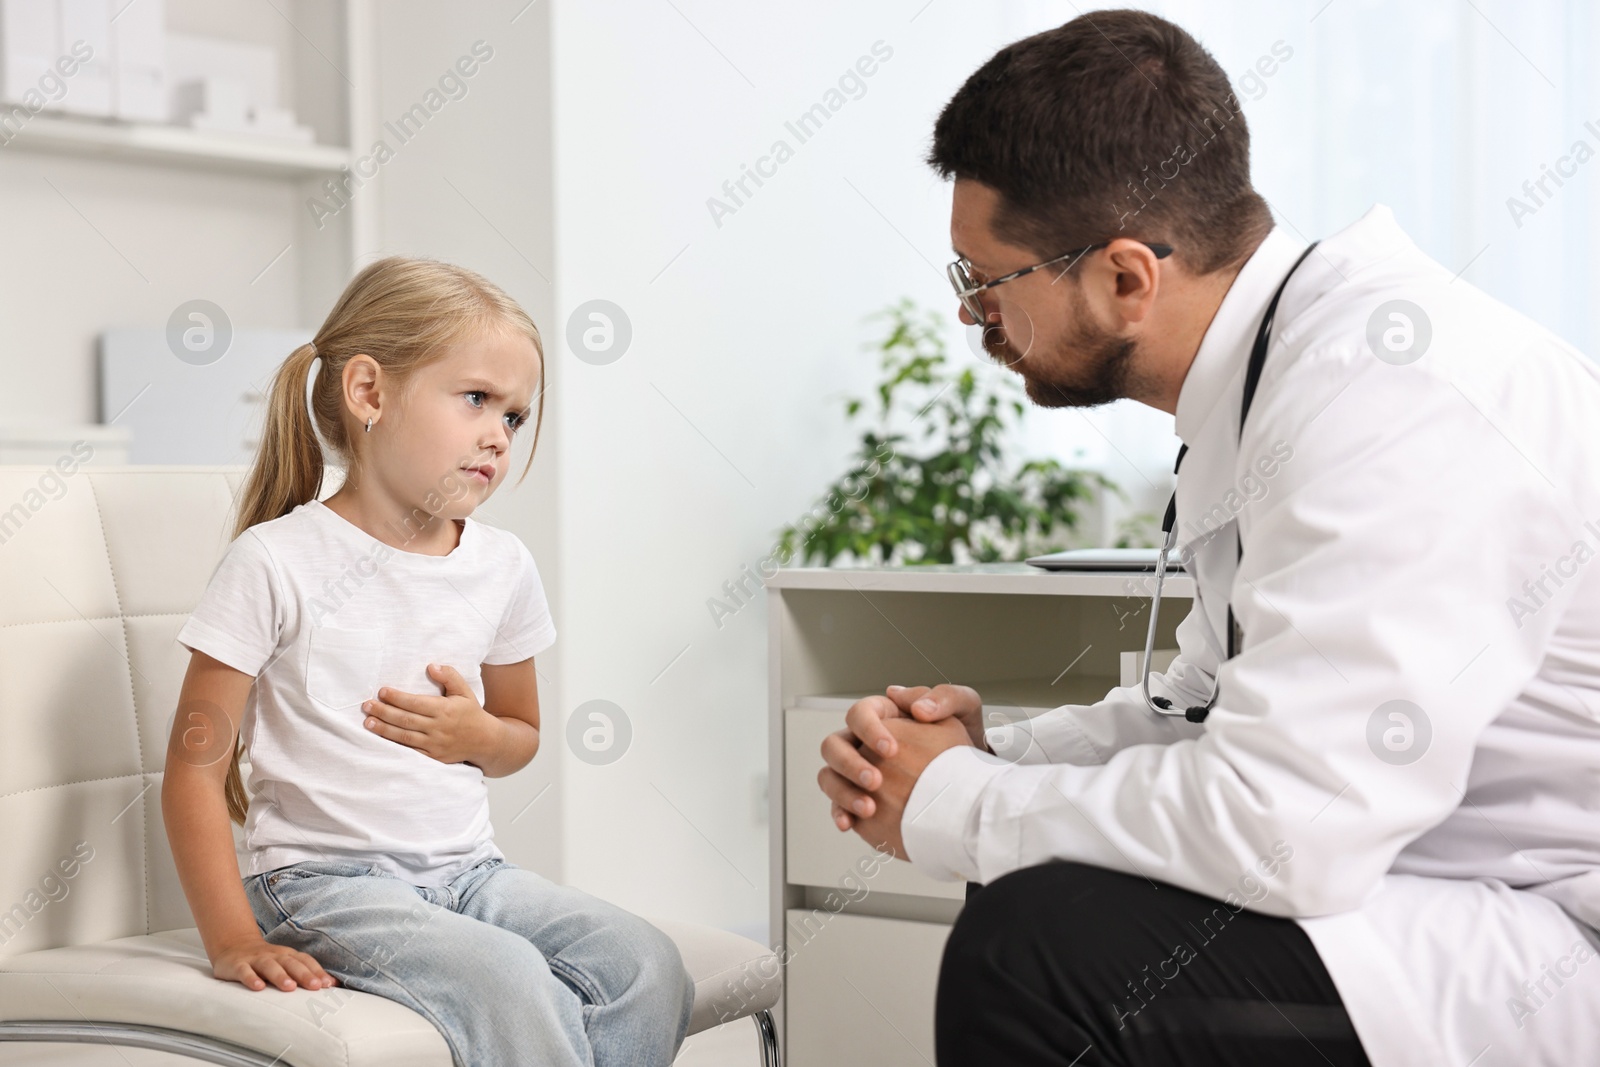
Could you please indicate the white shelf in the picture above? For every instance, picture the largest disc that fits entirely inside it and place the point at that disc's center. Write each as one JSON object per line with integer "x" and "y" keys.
{"x": 180, "y": 145}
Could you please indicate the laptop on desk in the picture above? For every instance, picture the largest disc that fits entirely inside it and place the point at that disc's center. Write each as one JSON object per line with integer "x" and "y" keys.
{"x": 1106, "y": 559}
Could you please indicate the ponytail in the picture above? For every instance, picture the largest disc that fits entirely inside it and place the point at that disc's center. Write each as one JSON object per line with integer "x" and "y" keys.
{"x": 288, "y": 467}
{"x": 233, "y": 788}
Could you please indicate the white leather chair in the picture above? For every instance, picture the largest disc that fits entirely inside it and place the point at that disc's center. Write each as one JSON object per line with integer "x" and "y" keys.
{"x": 98, "y": 570}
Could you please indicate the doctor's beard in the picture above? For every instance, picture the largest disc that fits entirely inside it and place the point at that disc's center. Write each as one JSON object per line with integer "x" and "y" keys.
{"x": 1089, "y": 367}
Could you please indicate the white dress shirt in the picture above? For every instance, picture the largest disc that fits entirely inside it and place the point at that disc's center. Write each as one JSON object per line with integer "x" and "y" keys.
{"x": 1414, "y": 712}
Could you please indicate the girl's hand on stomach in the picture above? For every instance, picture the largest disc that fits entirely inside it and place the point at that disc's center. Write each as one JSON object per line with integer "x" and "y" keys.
{"x": 253, "y": 964}
{"x": 451, "y": 727}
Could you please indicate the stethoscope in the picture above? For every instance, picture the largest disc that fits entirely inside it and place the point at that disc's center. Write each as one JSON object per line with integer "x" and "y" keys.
{"x": 1258, "y": 359}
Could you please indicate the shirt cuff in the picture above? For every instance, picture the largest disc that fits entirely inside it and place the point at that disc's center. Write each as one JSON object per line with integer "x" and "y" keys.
{"x": 941, "y": 814}
{"x": 536, "y": 643}
{"x": 1055, "y": 736}
{"x": 198, "y": 636}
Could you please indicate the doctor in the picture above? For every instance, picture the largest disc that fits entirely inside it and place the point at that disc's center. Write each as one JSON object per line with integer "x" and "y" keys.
{"x": 1376, "y": 836}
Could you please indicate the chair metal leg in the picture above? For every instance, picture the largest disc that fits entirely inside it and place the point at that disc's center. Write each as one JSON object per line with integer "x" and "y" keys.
{"x": 214, "y": 1050}
{"x": 769, "y": 1039}
{"x": 195, "y": 1046}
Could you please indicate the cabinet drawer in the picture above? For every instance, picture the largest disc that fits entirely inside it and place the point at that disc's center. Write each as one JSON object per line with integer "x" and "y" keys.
{"x": 817, "y": 853}
{"x": 860, "y": 990}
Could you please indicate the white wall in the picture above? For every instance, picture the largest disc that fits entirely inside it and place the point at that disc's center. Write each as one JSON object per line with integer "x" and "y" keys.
{"x": 1441, "y": 111}
{"x": 474, "y": 187}
{"x": 723, "y": 419}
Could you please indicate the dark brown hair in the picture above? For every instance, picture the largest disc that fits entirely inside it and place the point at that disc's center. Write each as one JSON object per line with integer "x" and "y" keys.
{"x": 1116, "y": 124}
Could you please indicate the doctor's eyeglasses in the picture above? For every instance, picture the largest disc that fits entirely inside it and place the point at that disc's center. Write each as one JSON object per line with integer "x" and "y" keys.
{"x": 960, "y": 273}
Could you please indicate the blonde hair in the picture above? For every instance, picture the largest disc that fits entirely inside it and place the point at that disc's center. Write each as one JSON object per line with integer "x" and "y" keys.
{"x": 403, "y": 312}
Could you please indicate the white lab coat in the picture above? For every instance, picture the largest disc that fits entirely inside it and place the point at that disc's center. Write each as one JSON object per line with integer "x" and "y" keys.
{"x": 1426, "y": 534}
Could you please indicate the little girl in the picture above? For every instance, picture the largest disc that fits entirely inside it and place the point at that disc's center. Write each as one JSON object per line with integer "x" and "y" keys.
{"x": 375, "y": 651}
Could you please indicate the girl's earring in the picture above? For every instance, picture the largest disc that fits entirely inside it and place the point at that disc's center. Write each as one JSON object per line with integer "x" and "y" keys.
{"x": 369, "y": 423}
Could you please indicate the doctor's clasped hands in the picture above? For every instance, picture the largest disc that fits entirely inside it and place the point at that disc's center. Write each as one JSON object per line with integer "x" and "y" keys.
{"x": 872, "y": 765}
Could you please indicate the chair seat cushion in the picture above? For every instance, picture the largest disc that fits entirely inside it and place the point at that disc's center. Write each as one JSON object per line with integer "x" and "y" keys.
{"x": 733, "y": 976}
{"x": 165, "y": 980}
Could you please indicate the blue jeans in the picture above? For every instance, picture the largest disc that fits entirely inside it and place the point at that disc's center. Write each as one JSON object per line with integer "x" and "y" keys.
{"x": 511, "y": 968}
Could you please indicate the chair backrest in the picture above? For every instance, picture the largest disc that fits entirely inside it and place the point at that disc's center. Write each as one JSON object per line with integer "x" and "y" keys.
{"x": 99, "y": 568}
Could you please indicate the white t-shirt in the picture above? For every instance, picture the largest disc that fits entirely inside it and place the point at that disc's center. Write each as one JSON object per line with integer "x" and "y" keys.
{"x": 322, "y": 614}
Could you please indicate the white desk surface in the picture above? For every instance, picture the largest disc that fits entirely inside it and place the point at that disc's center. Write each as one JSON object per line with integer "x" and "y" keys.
{"x": 979, "y": 578}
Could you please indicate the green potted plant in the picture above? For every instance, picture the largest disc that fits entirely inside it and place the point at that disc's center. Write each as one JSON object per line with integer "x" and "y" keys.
{"x": 961, "y": 500}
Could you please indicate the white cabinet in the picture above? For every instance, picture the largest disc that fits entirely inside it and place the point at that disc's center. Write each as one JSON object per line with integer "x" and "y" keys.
{"x": 818, "y": 854}
{"x": 861, "y": 990}
{"x": 861, "y": 938}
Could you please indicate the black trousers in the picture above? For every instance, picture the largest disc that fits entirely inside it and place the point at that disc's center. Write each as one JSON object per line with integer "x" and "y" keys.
{"x": 1065, "y": 963}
